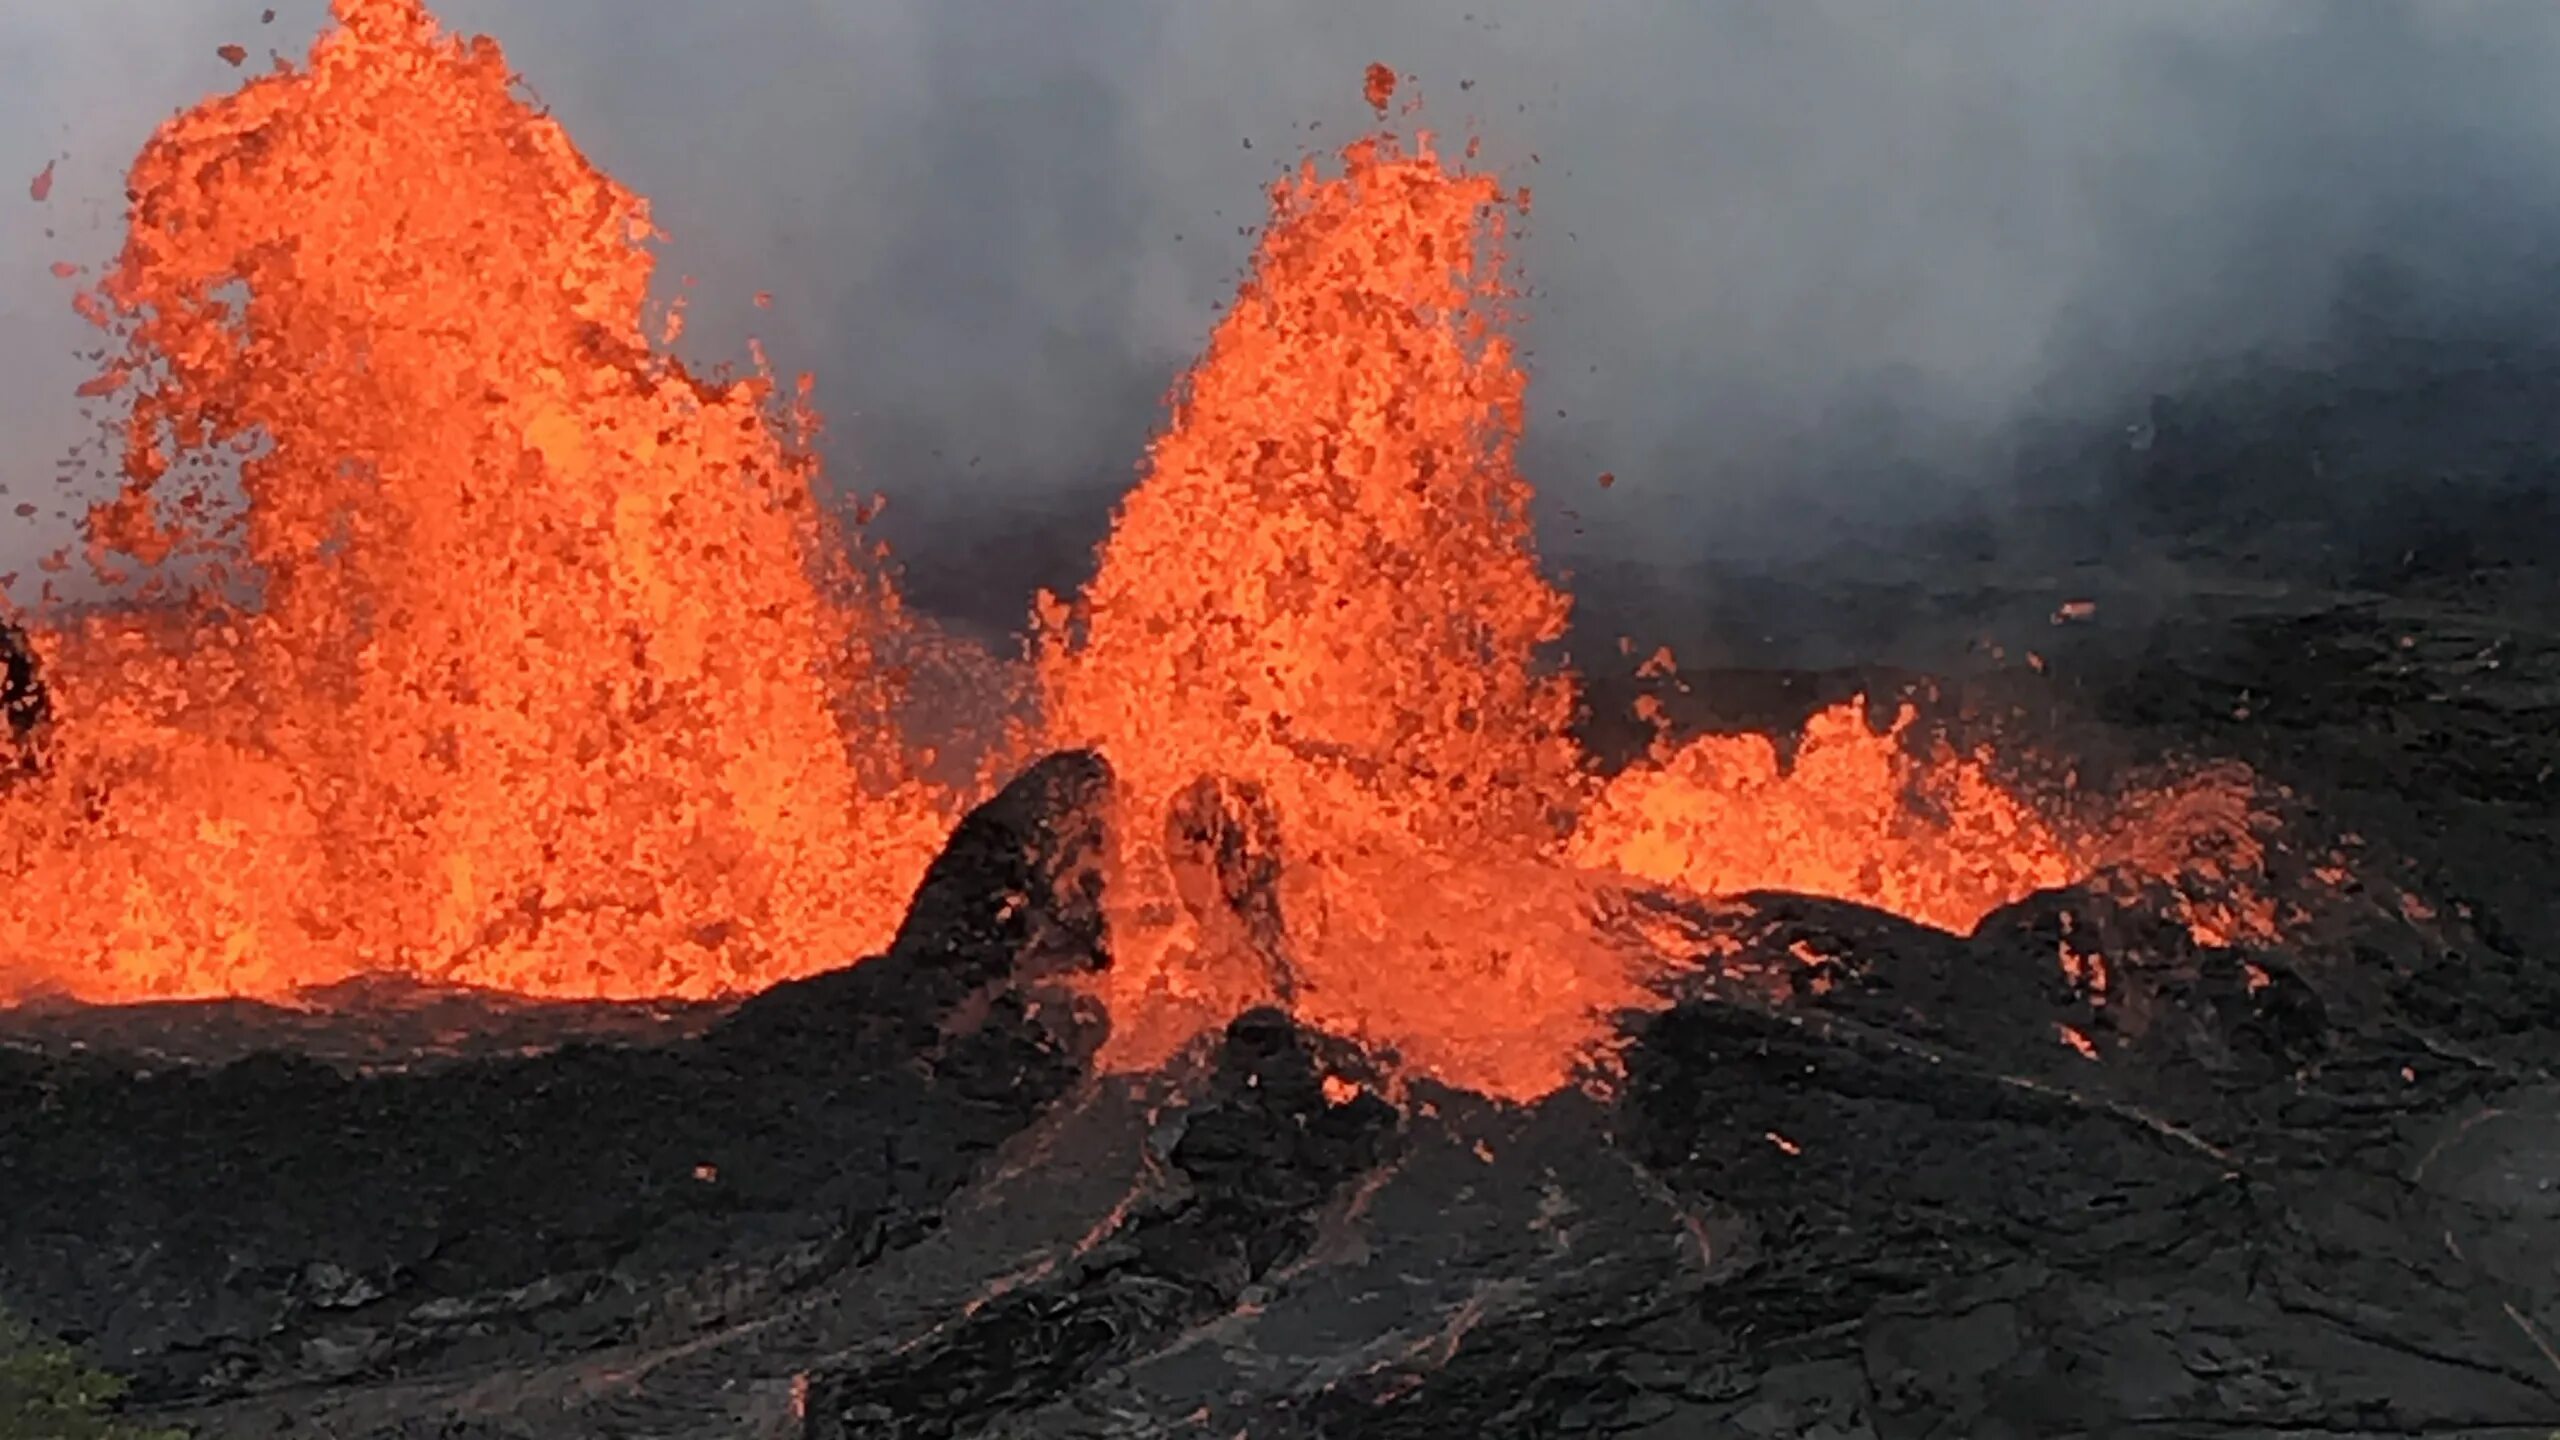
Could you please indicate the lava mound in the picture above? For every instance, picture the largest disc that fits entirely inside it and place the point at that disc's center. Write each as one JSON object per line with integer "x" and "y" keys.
{"x": 1915, "y": 1184}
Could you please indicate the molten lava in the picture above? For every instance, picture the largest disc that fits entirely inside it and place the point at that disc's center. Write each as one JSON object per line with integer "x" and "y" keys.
{"x": 1326, "y": 581}
{"x": 1325, "y": 590}
{"x": 1908, "y": 822}
{"x": 1325, "y": 587}
{"x": 1858, "y": 815}
{"x": 544, "y": 684}
{"x": 468, "y": 635}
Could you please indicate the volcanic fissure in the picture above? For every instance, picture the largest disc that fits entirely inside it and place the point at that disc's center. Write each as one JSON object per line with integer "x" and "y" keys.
{"x": 518, "y": 929}
{"x": 526, "y": 659}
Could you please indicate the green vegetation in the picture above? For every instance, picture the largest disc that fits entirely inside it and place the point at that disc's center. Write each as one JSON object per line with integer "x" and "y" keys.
{"x": 47, "y": 1392}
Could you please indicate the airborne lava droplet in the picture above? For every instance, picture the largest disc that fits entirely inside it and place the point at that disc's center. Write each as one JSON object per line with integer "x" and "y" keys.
{"x": 1380, "y": 87}
{"x": 40, "y": 189}
{"x": 233, "y": 55}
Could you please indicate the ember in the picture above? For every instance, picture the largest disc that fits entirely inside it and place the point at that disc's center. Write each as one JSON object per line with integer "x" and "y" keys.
{"x": 525, "y": 658}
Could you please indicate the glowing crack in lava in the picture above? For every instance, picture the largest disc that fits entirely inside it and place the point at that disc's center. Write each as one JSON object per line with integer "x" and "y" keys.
{"x": 545, "y": 686}
{"x": 526, "y": 658}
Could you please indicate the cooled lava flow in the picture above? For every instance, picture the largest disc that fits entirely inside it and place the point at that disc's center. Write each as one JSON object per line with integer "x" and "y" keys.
{"x": 532, "y": 660}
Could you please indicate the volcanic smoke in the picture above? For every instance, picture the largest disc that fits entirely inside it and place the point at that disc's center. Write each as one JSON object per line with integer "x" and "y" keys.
{"x": 463, "y": 633}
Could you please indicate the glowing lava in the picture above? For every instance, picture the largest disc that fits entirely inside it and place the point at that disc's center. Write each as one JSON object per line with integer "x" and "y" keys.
{"x": 1902, "y": 820}
{"x": 523, "y": 657}
{"x": 1858, "y": 814}
{"x": 1326, "y": 584}
{"x": 542, "y": 687}
{"x": 1325, "y": 587}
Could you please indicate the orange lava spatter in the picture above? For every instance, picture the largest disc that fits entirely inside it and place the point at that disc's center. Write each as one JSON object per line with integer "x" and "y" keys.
{"x": 1326, "y": 581}
{"x": 1858, "y": 814}
{"x": 520, "y": 657}
{"x": 1899, "y": 819}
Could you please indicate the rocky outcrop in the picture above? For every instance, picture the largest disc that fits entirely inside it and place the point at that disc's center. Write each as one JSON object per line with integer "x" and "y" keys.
{"x": 26, "y": 708}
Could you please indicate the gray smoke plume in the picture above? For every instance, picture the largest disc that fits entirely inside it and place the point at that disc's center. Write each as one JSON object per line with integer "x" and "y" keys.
{"x": 1795, "y": 266}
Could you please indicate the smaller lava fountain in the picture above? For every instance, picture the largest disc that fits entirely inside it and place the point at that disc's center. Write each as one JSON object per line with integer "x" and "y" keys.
{"x": 528, "y": 659}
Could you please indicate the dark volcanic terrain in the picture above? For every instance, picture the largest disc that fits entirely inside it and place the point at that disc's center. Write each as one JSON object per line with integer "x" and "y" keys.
{"x": 2307, "y": 1192}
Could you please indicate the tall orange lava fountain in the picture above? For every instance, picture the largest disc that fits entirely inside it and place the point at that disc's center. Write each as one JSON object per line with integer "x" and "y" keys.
{"x": 1325, "y": 589}
{"x": 1326, "y": 582}
{"x": 1856, "y": 814}
{"x": 542, "y": 685}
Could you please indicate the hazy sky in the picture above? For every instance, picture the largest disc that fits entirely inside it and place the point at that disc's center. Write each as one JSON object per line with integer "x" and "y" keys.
{"x": 1777, "y": 245}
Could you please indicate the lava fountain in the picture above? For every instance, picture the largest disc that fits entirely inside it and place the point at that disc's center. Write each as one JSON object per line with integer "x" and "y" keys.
{"x": 551, "y": 675}
{"x": 463, "y": 633}
{"x": 1325, "y": 590}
